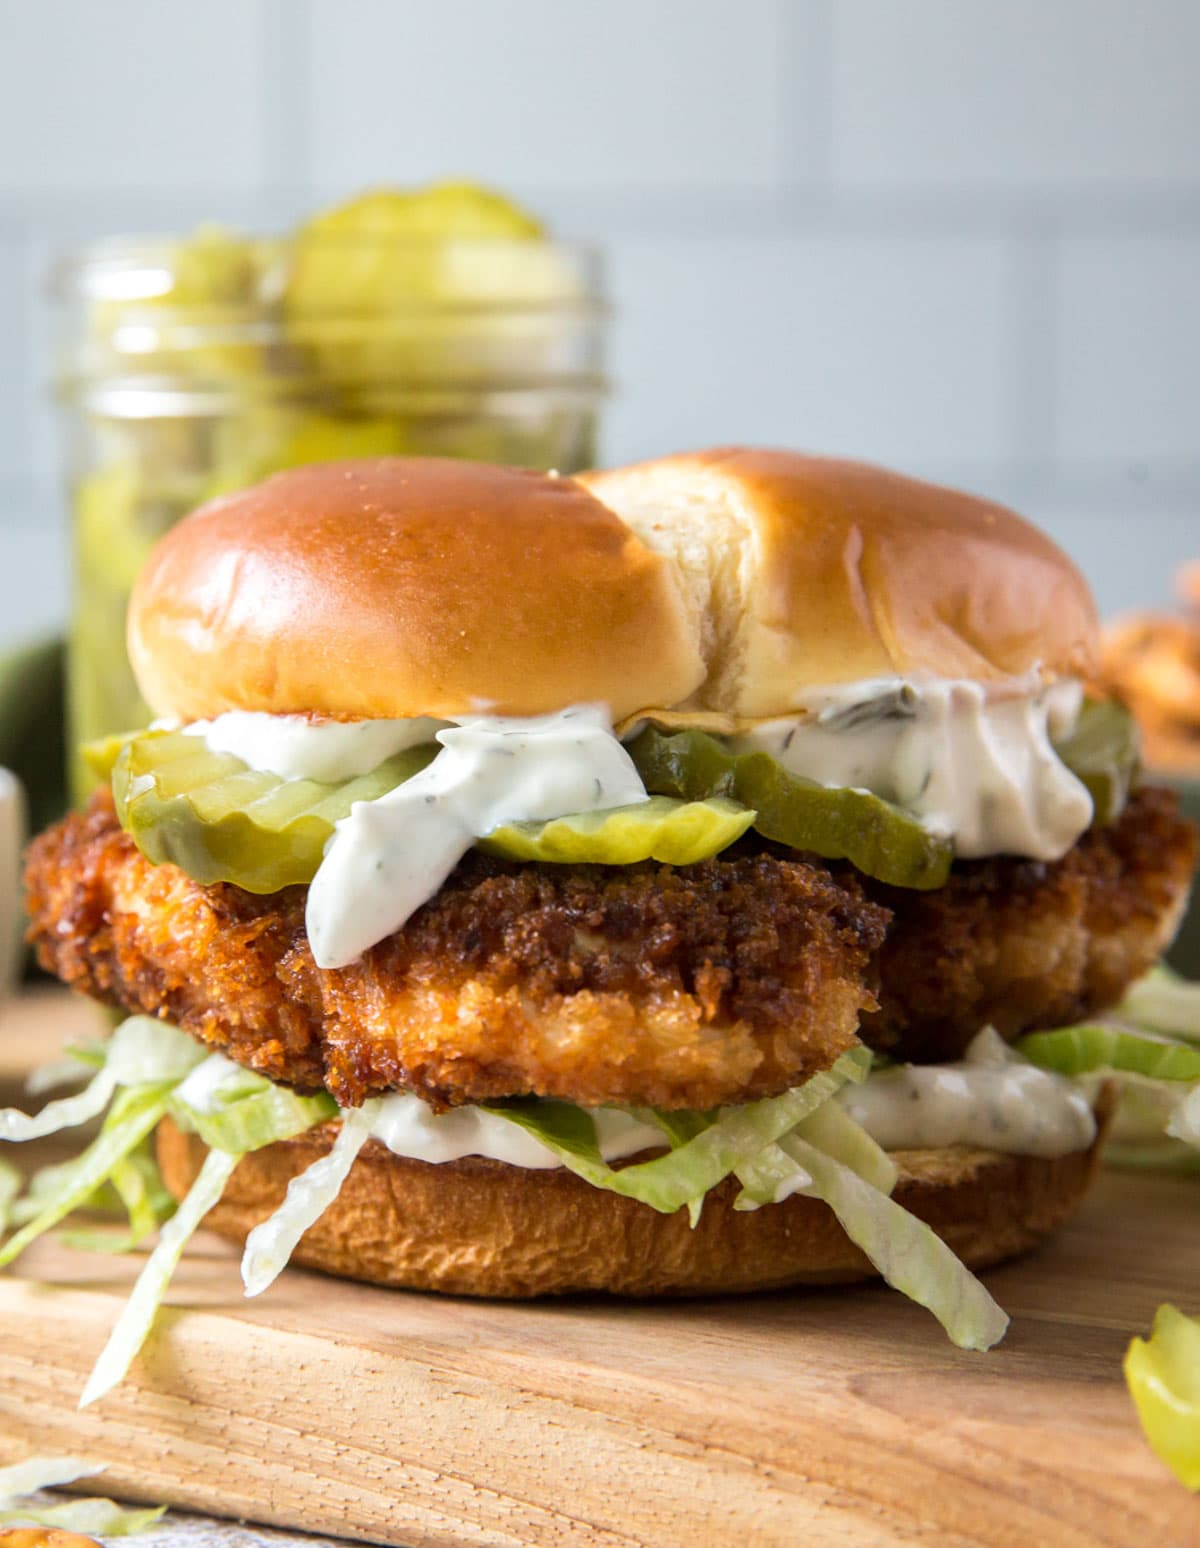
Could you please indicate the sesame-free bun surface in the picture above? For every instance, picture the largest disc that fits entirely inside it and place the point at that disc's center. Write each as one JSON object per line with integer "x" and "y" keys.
{"x": 395, "y": 587}
{"x": 808, "y": 571}
{"x": 728, "y": 582}
{"x": 480, "y": 1227}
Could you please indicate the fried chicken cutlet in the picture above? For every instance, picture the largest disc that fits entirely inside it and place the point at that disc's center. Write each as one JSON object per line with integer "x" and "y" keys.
{"x": 681, "y": 987}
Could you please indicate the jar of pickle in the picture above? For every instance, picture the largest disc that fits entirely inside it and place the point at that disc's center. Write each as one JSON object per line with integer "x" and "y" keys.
{"x": 438, "y": 323}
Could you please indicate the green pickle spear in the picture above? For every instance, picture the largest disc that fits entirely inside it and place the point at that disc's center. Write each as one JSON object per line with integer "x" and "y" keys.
{"x": 221, "y": 821}
{"x": 1102, "y": 753}
{"x": 875, "y": 836}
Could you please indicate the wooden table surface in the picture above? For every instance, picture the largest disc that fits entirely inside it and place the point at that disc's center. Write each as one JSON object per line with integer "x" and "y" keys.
{"x": 834, "y": 1417}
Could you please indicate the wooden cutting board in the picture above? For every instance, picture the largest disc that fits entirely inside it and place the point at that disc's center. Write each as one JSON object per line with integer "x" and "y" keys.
{"x": 838, "y": 1417}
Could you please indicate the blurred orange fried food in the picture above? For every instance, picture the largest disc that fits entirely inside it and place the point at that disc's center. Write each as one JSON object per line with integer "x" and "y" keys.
{"x": 1152, "y": 661}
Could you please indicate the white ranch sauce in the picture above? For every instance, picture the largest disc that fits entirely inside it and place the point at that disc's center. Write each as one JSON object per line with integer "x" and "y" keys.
{"x": 409, "y": 1127}
{"x": 976, "y": 766}
{"x": 973, "y": 764}
{"x": 325, "y": 750}
{"x": 390, "y": 855}
{"x": 992, "y": 1099}
{"x": 202, "y": 1088}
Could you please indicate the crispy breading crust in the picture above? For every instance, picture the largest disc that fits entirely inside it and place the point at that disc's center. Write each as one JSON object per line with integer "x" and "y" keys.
{"x": 685, "y": 987}
{"x": 1023, "y": 944}
{"x": 677, "y": 987}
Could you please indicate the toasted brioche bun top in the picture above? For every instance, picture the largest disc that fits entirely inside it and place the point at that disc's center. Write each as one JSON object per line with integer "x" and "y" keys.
{"x": 808, "y": 571}
{"x": 408, "y": 586}
{"x": 728, "y": 581}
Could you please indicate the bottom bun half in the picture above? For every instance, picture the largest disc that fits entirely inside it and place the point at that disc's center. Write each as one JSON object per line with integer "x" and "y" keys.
{"x": 480, "y": 1227}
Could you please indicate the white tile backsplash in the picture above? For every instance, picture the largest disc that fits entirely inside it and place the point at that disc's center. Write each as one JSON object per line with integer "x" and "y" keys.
{"x": 551, "y": 93}
{"x": 1130, "y": 557}
{"x": 1127, "y": 349}
{"x": 33, "y": 572}
{"x": 14, "y": 355}
{"x": 961, "y": 238}
{"x": 1024, "y": 95}
{"x": 897, "y": 349}
{"x": 130, "y": 94}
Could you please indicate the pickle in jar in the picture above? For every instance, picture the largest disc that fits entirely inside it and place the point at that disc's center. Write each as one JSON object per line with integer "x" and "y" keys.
{"x": 271, "y": 438}
{"x": 195, "y": 308}
{"x": 406, "y": 286}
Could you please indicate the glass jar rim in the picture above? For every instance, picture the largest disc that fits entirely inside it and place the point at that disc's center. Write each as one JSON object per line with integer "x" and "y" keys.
{"x": 107, "y": 269}
{"x": 504, "y": 312}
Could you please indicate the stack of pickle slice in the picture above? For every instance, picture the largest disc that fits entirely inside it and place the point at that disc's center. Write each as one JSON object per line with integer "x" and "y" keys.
{"x": 224, "y": 822}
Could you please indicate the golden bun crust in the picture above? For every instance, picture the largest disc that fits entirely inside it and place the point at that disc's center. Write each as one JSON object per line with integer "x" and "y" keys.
{"x": 479, "y": 1227}
{"x": 728, "y": 582}
{"x": 808, "y": 571}
{"x": 397, "y": 587}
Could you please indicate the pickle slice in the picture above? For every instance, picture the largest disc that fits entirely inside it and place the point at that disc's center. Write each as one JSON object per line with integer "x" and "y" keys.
{"x": 266, "y": 438}
{"x": 395, "y": 285}
{"x": 99, "y": 757}
{"x": 219, "y": 821}
{"x": 876, "y": 837}
{"x": 198, "y": 315}
{"x": 1102, "y": 753}
{"x": 674, "y": 832}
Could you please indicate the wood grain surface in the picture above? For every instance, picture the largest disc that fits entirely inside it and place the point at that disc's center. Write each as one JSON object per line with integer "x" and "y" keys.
{"x": 832, "y": 1417}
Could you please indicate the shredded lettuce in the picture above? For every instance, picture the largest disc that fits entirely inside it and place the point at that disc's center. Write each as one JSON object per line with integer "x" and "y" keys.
{"x": 830, "y": 1157}
{"x": 686, "y": 1173}
{"x": 139, "y": 1190}
{"x": 907, "y": 1253}
{"x": 271, "y": 1244}
{"x": 63, "y": 1113}
{"x": 1163, "y": 1376}
{"x": 1158, "y": 1071}
{"x": 1184, "y": 1122}
{"x": 139, "y": 1311}
{"x": 773, "y": 1175}
{"x": 1100, "y": 1048}
{"x": 97, "y": 1517}
{"x": 142, "y": 1052}
{"x": 148, "y": 1070}
{"x": 1164, "y": 1002}
{"x": 59, "y": 1072}
{"x": 134, "y": 1114}
{"x": 832, "y": 1130}
{"x": 249, "y": 1111}
{"x": 10, "y": 1186}
{"x": 42, "y": 1473}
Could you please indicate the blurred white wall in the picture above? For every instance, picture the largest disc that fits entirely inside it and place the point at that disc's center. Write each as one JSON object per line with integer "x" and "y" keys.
{"x": 963, "y": 238}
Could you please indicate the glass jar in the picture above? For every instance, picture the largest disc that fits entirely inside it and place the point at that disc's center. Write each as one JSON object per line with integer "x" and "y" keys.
{"x": 192, "y": 367}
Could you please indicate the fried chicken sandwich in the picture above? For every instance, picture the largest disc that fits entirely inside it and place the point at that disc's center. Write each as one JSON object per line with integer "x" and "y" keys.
{"x": 657, "y": 882}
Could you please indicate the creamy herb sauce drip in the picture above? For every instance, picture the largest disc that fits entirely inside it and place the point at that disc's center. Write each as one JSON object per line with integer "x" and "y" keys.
{"x": 991, "y": 1099}
{"x": 972, "y": 763}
